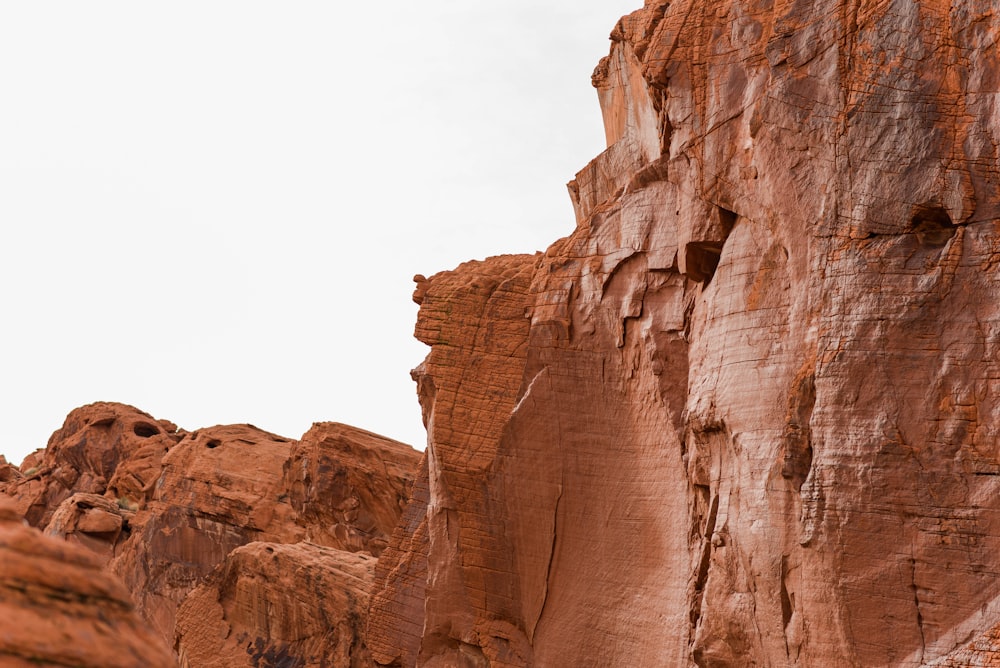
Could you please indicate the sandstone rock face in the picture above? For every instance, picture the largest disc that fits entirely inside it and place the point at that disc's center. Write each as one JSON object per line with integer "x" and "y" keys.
{"x": 223, "y": 487}
{"x": 279, "y": 605}
{"x": 95, "y": 522}
{"x": 348, "y": 487}
{"x": 396, "y": 612}
{"x": 220, "y": 488}
{"x": 102, "y": 448}
{"x": 58, "y": 608}
{"x": 167, "y": 510}
{"x": 745, "y": 414}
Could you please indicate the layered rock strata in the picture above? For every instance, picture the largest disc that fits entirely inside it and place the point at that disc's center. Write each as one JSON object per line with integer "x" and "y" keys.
{"x": 745, "y": 414}
{"x": 59, "y": 608}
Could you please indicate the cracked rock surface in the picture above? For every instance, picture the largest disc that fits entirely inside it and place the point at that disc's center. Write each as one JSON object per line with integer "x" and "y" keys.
{"x": 747, "y": 412}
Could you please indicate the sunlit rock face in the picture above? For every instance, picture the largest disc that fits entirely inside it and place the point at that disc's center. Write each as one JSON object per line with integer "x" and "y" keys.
{"x": 746, "y": 413}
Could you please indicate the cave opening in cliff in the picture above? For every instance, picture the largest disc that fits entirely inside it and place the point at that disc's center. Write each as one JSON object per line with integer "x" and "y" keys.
{"x": 932, "y": 225}
{"x": 702, "y": 257}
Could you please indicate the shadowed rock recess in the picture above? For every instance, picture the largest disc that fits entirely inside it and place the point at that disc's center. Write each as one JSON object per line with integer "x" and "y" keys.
{"x": 747, "y": 413}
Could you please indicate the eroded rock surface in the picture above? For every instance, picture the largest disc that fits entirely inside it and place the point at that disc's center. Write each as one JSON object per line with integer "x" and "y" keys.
{"x": 102, "y": 448}
{"x": 59, "y": 608}
{"x": 223, "y": 487}
{"x": 166, "y": 510}
{"x": 348, "y": 487}
{"x": 94, "y": 522}
{"x": 745, "y": 414}
{"x": 270, "y": 604}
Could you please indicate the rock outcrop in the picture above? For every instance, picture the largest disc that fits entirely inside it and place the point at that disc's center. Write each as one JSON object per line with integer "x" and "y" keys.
{"x": 223, "y": 487}
{"x": 103, "y": 449}
{"x": 95, "y": 522}
{"x": 745, "y": 414}
{"x": 279, "y": 605}
{"x": 170, "y": 512}
{"x": 59, "y": 608}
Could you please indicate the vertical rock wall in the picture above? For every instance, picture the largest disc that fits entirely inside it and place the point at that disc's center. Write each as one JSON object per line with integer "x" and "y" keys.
{"x": 746, "y": 413}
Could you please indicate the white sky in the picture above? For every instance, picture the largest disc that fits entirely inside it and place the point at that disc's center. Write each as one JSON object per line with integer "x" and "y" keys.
{"x": 213, "y": 210}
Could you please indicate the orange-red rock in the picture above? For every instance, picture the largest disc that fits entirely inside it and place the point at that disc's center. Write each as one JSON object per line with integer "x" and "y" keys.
{"x": 59, "y": 608}
{"x": 165, "y": 509}
{"x": 223, "y": 487}
{"x": 279, "y": 605}
{"x": 95, "y": 522}
{"x": 395, "y": 621}
{"x": 102, "y": 448}
{"x": 348, "y": 486}
{"x": 745, "y": 414}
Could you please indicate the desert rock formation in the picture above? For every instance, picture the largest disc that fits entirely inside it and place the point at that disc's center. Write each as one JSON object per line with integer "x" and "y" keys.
{"x": 282, "y": 535}
{"x": 746, "y": 413}
{"x": 102, "y": 448}
{"x": 59, "y": 608}
{"x": 273, "y": 605}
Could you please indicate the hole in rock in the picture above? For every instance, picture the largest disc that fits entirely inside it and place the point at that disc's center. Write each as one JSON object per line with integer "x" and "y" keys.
{"x": 213, "y": 443}
{"x": 702, "y": 259}
{"x": 144, "y": 430}
{"x": 727, "y": 220}
{"x": 932, "y": 226}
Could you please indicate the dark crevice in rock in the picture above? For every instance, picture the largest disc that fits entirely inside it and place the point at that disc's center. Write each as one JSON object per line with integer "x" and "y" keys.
{"x": 798, "y": 453}
{"x": 932, "y": 226}
{"x": 701, "y": 578}
{"x": 145, "y": 430}
{"x": 916, "y": 604}
{"x": 702, "y": 257}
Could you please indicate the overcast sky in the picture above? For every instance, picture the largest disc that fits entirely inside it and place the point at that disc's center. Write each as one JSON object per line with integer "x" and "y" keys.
{"x": 213, "y": 210}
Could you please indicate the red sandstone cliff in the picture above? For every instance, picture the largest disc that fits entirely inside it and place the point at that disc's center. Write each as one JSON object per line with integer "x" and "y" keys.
{"x": 746, "y": 413}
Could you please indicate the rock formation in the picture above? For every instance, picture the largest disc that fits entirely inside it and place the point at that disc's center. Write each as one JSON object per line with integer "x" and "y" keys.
{"x": 102, "y": 448}
{"x": 59, "y": 608}
{"x": 278, "y": 605}
{"x": 273, "y": 540}
{"x": 746, "y": 413}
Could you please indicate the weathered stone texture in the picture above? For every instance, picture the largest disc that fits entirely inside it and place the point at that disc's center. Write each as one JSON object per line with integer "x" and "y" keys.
{"x": 745, "y": 414}
{"x": 167, "y": 510}
{"x": 270, "y": 604}
{"x": 223, "y": 487}
{"x": 102, "y": 448}
{"x": 59, "y": 608}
